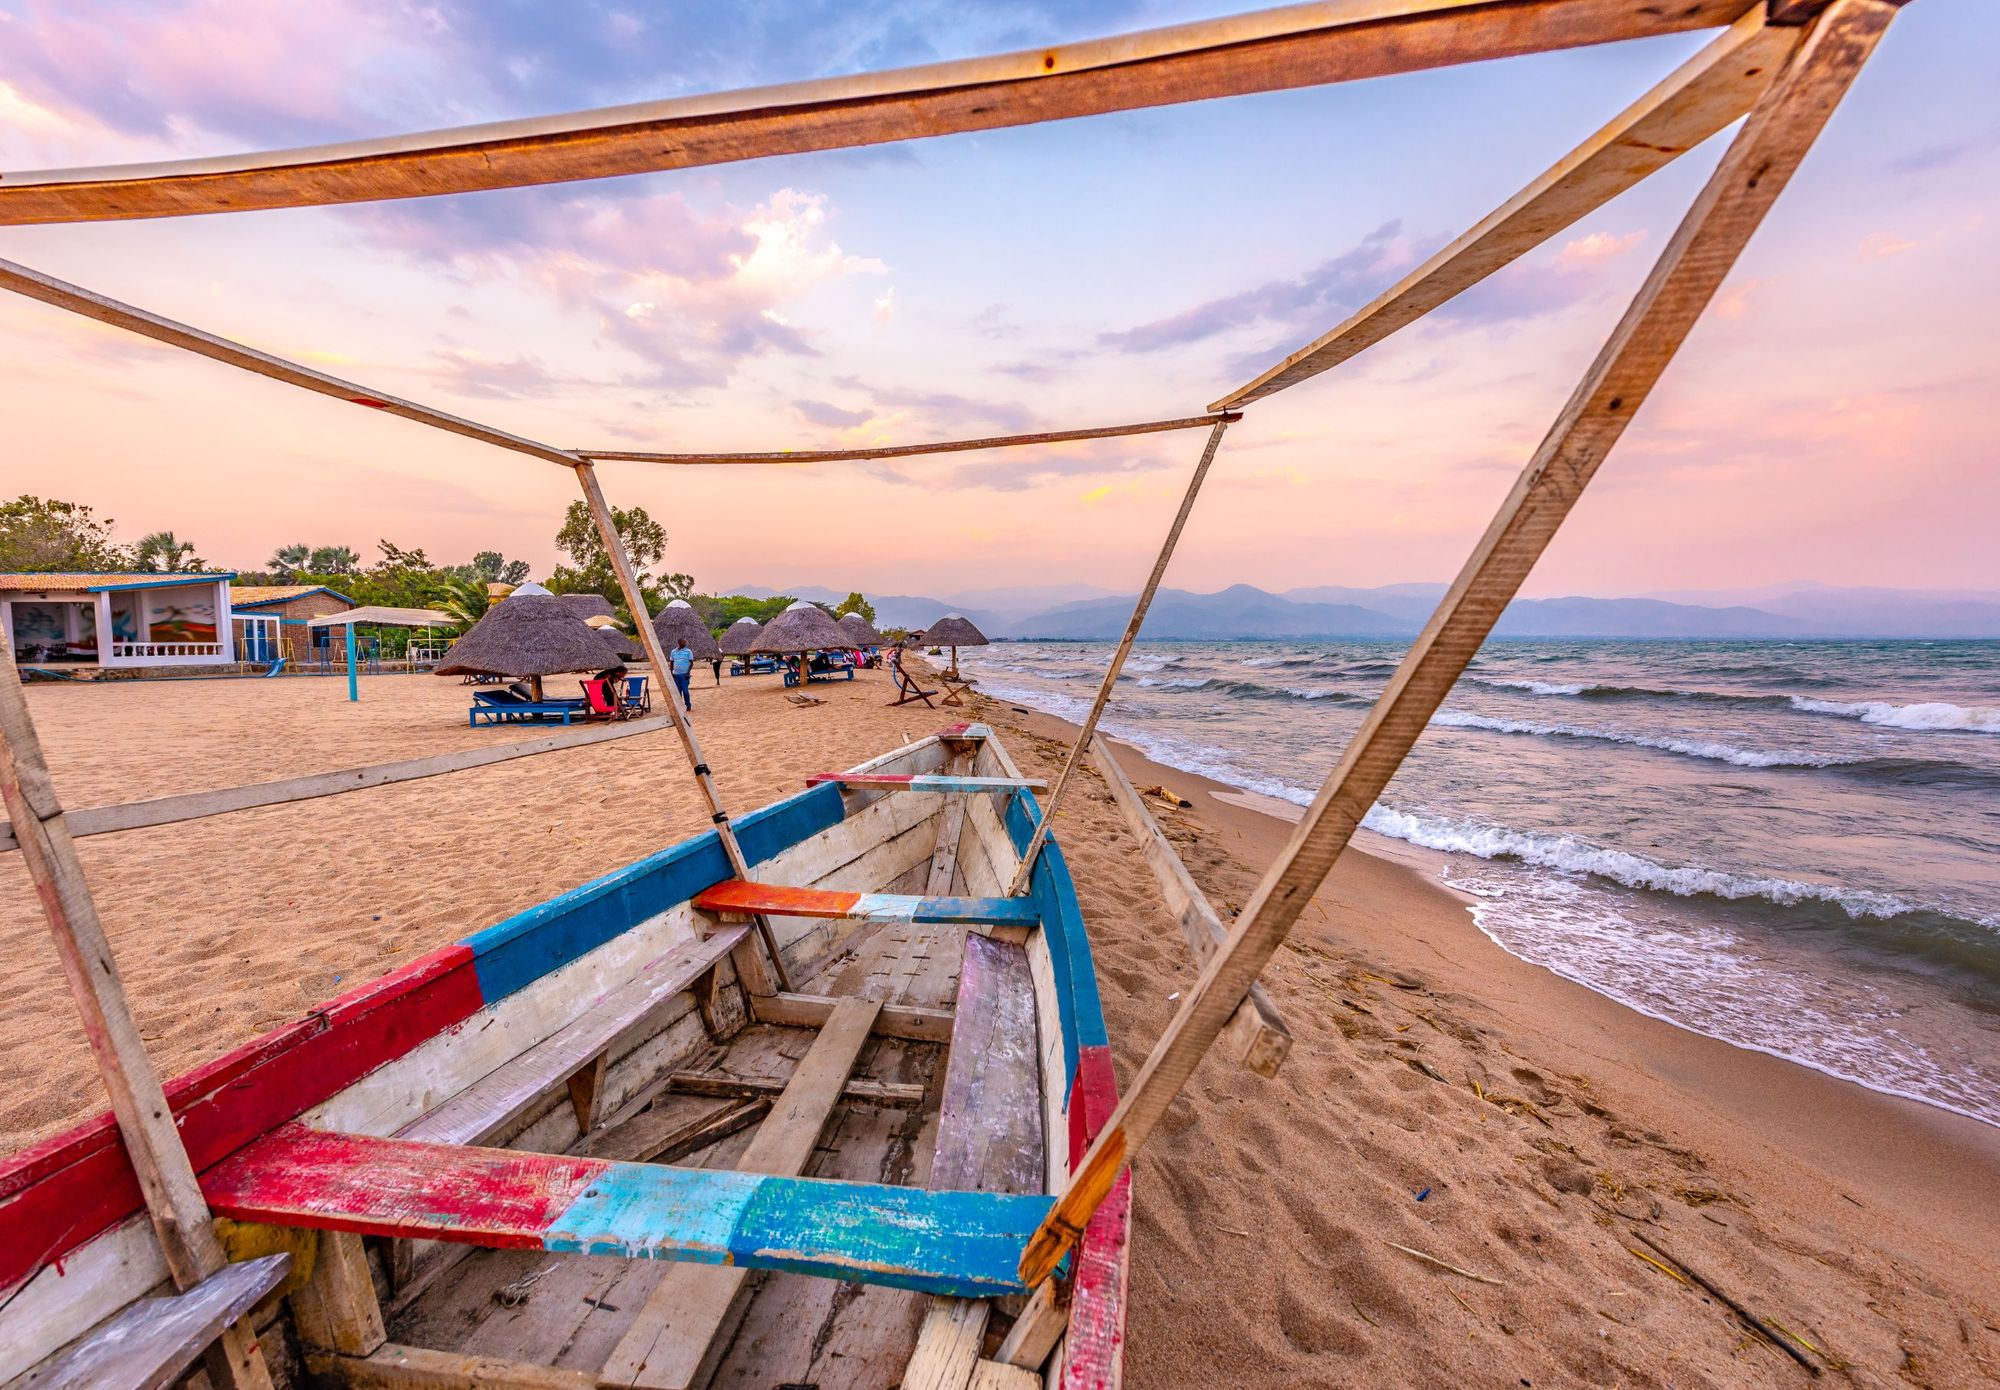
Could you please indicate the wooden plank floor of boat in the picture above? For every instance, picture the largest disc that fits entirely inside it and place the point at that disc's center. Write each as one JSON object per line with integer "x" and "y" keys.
{"x": 572, "y": 1311}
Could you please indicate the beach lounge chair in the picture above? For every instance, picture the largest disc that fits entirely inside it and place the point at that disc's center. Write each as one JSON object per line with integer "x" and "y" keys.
{"x": 907, "y": 690}
{"x": 506, "y": 707}
{"x": 638, "y": 699}
{"x": 599, "y": 702}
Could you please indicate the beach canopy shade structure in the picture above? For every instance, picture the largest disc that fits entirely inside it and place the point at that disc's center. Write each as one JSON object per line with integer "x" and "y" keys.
{"x": 386, "y": 617}
{"x": 678, "y": 622}
{"x": 533, "y": 635}
{"x": 954, "y": 631}
{"x": 531, "y": 589}
{"x": 588, "y": 606}
{"x": 804, "y": 627}
{"x": 860, "y": 631}
{"x": 741, "y": 637}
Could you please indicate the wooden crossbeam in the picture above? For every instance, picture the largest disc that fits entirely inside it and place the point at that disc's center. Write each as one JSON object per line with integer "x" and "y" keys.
{"x": 925, "y": 782}
{"x": 899, "y": 451}
{"x": 1754, "y": 170}
{"x": 171, "y": 810}
{"x": 960, "y": 1243}
{"x": 1272, "y": 50}
{"x": 669, "y": 1341}
{"x": 1699, "y": 98}
{"x": 152, "y": 1343}
{"x": 165, "y": 1174}
{"x": 905, "y": 1094}
{"x": 736, "y": 896}
{"x": 909, "y": 1022}
{"x": 1255, "y": 1035}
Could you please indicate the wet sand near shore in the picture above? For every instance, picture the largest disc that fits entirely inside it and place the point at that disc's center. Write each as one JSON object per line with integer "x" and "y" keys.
{"x": 1441, "y": 1095}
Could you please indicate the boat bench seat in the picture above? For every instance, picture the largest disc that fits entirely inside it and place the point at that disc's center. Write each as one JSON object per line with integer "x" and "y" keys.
{"x": 924, "y": 782}
{"x": 966, "y": 1244}
{"x": 575, "y": 1055}
{"x": 155, "y": 1340}
{"x": 738, "y": 897}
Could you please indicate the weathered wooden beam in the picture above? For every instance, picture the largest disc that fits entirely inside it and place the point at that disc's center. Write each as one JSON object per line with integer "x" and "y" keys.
{"x": 1033, "y": 850}
{"x": 705, "y": 1083}
{"x": 151, "y": 1344}
{"x": 760, "y": 973}
{"x": 1272, "y": 50}
{"x": 170, "y": 810}
{"x": 336, "y": 1310}
{"x": 395, "y": 1367}
{"x": 899, "y": 451}
{"x": 1255, "y": 1035}
{"x": 1699, "y": 98}
{"x": 1754, "y": 170}
{"x": 179, "y": 1214}
{"x": 909, "y": 1022}
{"x": 63, "y": 295}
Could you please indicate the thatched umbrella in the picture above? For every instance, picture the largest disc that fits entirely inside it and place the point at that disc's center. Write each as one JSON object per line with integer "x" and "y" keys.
{"x": 952, "y": 630}
{"x": 526, "y": 635}
{"x": 587, "y": 606}
{"x": 618, "y": 644}
{"x": 801, "y": 629}
{"x": 860, "y": 631}
{"x": 741, "y": 636}
{"x": 679, "y": 622}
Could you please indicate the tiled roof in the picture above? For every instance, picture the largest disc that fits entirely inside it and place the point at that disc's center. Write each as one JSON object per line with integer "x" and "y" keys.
{"x": 245, "y": 595}
{"x": 88, "y": 583}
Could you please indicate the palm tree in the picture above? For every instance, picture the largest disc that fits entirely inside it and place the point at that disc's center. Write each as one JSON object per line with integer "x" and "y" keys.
{"x": 288, "y": 560}
{"x": 333, "y": 559}
{"x": 161, "y": 550}
{"x": 464, "y": 599}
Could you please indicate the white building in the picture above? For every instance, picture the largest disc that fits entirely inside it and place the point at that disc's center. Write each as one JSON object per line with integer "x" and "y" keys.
{"x": 117, "y": 619}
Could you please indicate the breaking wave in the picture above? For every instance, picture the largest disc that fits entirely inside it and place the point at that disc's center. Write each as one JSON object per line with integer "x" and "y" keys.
{"x": 1931, "y": 716}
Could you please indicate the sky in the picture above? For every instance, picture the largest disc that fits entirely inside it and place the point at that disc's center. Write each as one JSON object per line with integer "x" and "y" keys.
{"x": 1831, "y": 418}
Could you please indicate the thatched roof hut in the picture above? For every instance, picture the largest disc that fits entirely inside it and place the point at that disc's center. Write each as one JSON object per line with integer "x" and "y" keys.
{"x": 952, "y": 630}
{"x": 804, "y": 627}
{"x": 618, "y": 644}
{"x": 679, "y": 622}
{"x": 741, "y": 636}
{"x": 860, "y": 632}
{"x": 526, "y": 635}
{"x": 588, "y": 605}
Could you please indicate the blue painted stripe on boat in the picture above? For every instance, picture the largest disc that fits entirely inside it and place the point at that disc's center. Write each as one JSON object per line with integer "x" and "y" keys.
{"x": 630, "y": 1212}
{"x": 513, "y": 954}
{"x": 982, "y": 912}
{"x": 963, "y": 1244}
{"x": 1022, "y": 813}
{"x": 1062, "y": 906}
{"x": 770, "y": 830}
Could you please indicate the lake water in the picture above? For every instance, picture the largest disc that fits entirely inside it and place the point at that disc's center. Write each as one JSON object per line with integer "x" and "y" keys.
{"x": 1793, "y": 847}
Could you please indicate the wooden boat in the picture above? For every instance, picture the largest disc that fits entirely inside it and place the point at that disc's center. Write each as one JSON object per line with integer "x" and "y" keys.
{"x": 635, "y": 1169}
{"x": 563, "y": 1035}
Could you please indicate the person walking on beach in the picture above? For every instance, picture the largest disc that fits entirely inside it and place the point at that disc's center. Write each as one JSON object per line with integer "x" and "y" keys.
{"x": 682, "y": 661}
{"x": 716, "y": 663}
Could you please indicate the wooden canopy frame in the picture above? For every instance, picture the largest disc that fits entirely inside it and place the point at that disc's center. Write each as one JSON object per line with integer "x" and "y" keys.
{"x": 1784, "y": 63}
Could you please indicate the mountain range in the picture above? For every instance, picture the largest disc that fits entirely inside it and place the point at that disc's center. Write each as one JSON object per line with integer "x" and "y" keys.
{"x": 1801, "y": 611}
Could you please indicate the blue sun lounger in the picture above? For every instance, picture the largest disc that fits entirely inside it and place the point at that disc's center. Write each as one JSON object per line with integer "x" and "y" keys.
{"x": 505, "y": 707}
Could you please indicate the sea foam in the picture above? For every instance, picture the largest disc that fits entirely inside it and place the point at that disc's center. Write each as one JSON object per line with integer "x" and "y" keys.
{"x": 1933, "y": 715}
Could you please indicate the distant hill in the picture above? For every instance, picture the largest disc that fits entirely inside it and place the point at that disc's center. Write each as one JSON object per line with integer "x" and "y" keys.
{"x": 1243, "y": 611}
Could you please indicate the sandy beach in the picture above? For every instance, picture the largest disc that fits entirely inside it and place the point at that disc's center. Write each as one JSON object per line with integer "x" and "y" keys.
{"x": 1441, "y": 1095}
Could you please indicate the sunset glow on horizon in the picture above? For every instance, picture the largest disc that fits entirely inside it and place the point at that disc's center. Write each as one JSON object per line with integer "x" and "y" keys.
{"x": 1828, "y": 420}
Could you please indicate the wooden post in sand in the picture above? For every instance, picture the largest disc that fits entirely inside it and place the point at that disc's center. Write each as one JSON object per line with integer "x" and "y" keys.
{"x": 1758, "y": 164}
{"x": 166, "y": 1176}
{"x": 756, "y": 979}
{"x": 1077, "y": 749}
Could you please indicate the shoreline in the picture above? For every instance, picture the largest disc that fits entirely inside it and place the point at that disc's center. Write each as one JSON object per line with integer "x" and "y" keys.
{"x": 1893, "y": 1153}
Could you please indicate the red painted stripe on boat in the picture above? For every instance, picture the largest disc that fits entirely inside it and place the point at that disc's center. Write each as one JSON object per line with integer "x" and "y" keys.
{"x": 80, "y": 1183}
{"x": 297, "y": 1176}
{"x": 1103, "y": 1269}
{"x": 1093, "y": 1095}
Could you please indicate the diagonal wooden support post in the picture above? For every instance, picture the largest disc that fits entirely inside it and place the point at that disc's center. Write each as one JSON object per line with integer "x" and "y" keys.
{"x": 756, "y": 978}
{"x": 166, "y": 1177}
{"x": 1758, "y": 164}
{"x": 1028, "y": 856}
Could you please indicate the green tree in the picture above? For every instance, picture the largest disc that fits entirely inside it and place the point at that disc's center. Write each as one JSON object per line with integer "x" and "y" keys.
{"x": 290, "y": 561}
{"x": 855, "y": 603}
{"x": 645, "y": 541}
{"x": 464, "y": 599}
{"x": 44, "y": 535}
{"x": 163, "y": 551}
{"x": 492, "y": 567}
{"x": 335, "y": 559}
